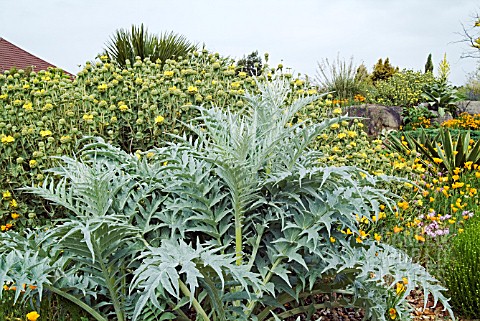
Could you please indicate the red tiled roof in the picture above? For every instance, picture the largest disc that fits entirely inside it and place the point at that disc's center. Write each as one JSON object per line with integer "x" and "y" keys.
{"x": 13, "y": 56}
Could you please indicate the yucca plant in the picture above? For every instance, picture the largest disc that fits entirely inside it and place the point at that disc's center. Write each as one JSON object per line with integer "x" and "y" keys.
{"x": 126, "y": 45}
{"x": 442, "y": 150}
{"x": 238, "y": 223}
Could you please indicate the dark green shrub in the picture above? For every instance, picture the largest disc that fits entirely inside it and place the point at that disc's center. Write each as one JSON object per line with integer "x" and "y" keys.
{"x": 429, "y": 64}
{"x": 462, "y": 273}
{"x": 383, "y": 70}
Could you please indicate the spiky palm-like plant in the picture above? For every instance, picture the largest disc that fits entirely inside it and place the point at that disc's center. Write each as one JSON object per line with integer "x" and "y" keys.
{"x": 235, "y": 224}
{"x": 129, "y": 44}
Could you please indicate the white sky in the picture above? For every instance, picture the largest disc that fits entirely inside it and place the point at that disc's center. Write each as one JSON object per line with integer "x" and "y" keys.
{"x": 67, "y": 33}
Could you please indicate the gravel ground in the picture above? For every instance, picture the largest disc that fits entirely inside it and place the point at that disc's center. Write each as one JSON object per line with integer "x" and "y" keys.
{"x": 415, "y": 299}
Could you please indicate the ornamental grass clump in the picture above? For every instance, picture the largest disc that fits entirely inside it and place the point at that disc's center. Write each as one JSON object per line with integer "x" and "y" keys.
{"x": 239, "y": 222}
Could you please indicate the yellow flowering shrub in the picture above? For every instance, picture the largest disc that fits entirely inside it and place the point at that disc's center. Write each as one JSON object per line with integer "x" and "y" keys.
{"x": 45, "y": 114}
{"x": 404, "y": 88}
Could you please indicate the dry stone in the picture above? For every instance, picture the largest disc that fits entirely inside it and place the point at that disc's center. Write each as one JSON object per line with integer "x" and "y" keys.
{"x": 378, "y": 117}
{"x": 469, "y": 106}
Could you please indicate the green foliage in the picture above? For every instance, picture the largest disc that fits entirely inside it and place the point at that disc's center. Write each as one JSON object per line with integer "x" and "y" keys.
{"x": 383, "y": 70}
{"x": 217, "y": 223}
{"x": 342, "y": 78}
{"x": 429, "y": 64}
{"x": 52, "y": 307}
{"x": 461, "y": 273}
{"x": 441, "y": 97}
{"x": 126, "y": 45}
{"x": 448, "y": 153}
{"x": 415, "y": 116}
{"x": 252, "y": 64}
{"x": 404, "y": 88}
{"x": 471, "y": 89}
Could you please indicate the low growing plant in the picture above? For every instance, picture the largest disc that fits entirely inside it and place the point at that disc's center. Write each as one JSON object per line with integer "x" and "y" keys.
{"x": 235, "y": 224}
{"x": 441, "y": 150}
{"x": 416, "y": 116}
{"x": 461, "y": 273}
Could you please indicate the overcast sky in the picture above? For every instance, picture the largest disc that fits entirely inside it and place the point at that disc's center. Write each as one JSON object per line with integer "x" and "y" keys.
{"x": 67, "y": 33}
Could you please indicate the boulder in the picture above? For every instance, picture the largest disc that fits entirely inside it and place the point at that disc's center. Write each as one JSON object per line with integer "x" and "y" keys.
{"x": 469, "y": 106}
{"x": 378, "y": 117}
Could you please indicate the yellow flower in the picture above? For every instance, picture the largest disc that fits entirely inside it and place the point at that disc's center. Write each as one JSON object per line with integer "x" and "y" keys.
{"x": 28, "y": 106}
{"x": 457, "y": 185}
{"x": 192, "y": 90}
{"x": 102, "y": 87}
{"x": 351, "y": 134}
{"x": 348, "y": 232}
{"x": 13, "y": 203}
{"x": 87, "y": 117}
{"x": 159, "y": 119}
{"x": 65, "y": 139}
{"x": 419, "y": 238}
{"x": 45, "y": 133}
{"x": 7, "y": 139}
{"x": 334, "y": 126}
{"x": 168, "y": 73}
{"x": 332, "y": 239}
{"x": 377, "y": 237}
{"x": 362, "y": 234}
{"x": 341, "y": 135}
{"x": 123, "y": 107}
{"x": 15, "y": 216}
{"x": 6, "y": 195}
{"x": 298, "y": 82}
{"x": 400, "y": 288}
{"x": 393, "y": 313}
{"x": 32, "y": 163}
{"x": 337, "y": 111}
{"x": 32, "y": 316}
{"x": 437, "y": 160}
{"x": 403, "y": 205}
{"x": 235, "y": 85}
{"x": 397, "y": 229}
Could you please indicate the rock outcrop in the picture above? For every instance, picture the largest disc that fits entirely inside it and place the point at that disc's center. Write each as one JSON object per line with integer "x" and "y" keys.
{"x": 378, "y": 117}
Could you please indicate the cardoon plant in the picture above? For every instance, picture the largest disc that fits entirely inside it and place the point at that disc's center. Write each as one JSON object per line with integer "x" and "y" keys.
{"x": 241, "y": 222}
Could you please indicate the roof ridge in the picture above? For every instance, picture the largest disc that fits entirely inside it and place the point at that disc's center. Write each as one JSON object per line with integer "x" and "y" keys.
{"x": 12, "y": 55}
